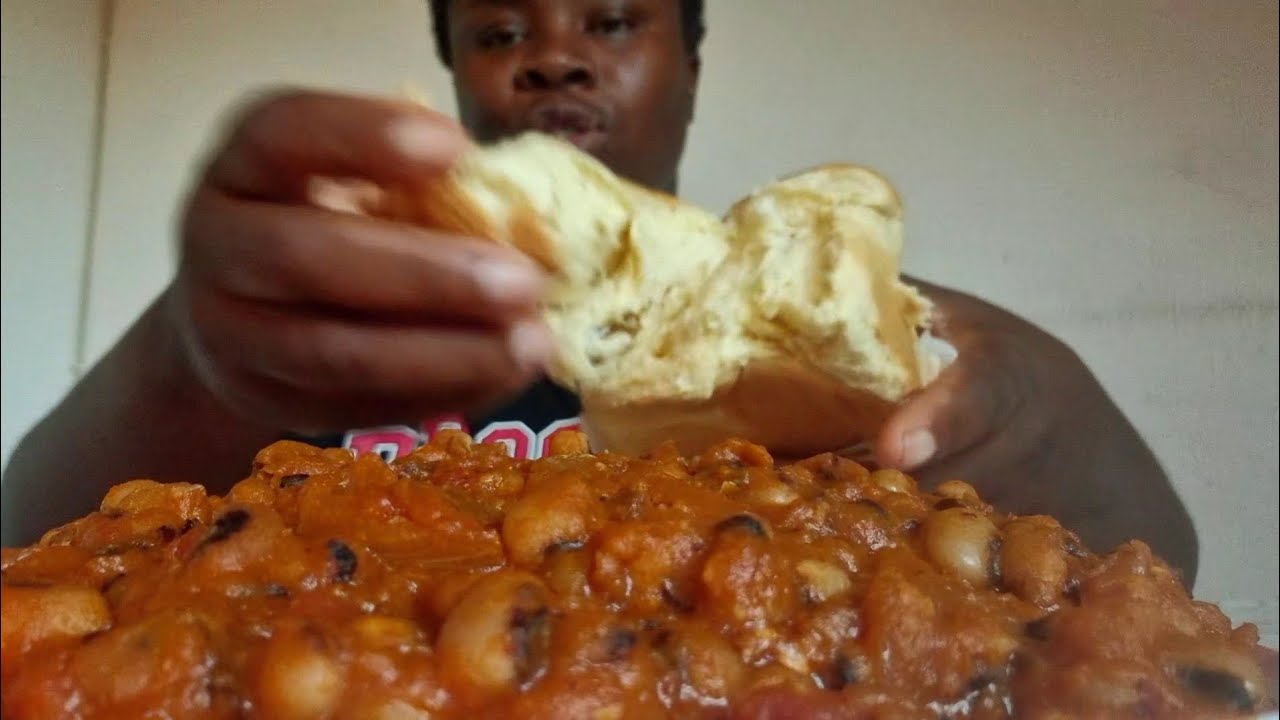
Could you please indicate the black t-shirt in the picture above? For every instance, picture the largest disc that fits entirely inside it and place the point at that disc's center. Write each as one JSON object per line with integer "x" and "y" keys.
{"x": 525, "y": 425}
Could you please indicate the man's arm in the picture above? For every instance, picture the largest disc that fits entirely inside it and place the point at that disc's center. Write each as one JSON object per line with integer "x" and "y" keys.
{"x": 1128, "y": 494}
{"x": 288, "y": 315}
{"x": 139, "y": 413}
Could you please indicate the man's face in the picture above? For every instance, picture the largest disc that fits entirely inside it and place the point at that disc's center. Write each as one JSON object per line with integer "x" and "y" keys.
{"x": 611, "y": 76}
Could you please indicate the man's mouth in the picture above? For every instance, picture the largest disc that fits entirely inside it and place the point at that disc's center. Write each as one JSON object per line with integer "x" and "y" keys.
{"x": 579, "y": 124}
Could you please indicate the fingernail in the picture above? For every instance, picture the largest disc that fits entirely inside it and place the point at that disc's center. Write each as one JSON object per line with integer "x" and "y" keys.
{"x": 918, "y": 446}
{"x": 507, "y": 282}
{"x": 419, "y": 139}
{"x": 531, "y": 343}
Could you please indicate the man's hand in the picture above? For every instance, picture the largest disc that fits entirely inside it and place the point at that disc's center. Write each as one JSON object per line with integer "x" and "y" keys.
{"x": 308, "y": 319}
{"x": 1019, "y": 416}
{"x": 289, "y": 313}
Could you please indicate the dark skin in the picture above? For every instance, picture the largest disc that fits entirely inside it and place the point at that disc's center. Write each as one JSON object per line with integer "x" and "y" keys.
{"x": 262, "y": 333}
{"x": 515, "y": 64}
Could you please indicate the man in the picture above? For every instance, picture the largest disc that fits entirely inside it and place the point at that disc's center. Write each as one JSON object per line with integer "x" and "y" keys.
{"x": 289, "y": 318}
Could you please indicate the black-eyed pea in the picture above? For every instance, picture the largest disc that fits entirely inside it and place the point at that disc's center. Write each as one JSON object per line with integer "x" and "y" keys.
{"x": 299, "y": 679}
{"x": 646, "y": 564}
{"x": 848, "y": 668}
{"x": 746, "y": 582}
{"x": 745, "y": 522}
{"x": 705, "y": 661}
{"x": 454, "y": 442}
{"x": 960, "y": 541}
{"x": 568, "y": 442}
{"x": 568, "y": 567}
{"x": 184, "y": 499}
{"x": 384, "y": 632}
{"x": 893, "y": 480}
{"x": 1033, "y": 560}
{"x": 831, "y": 469}
{"x": 792, "y": 657}
{"x": 1231, "y": 691}
{"x": 503, "y": 482}
{"x": 165, "y": 655}
{"x": 1221, "y": 675}
{"x": 958, "y": 490}
{"x": 734, "y": 453}
{"x": 33, "y": 615}
{"x": 768, "y": 490}
{"x": 389, "y": 710}
{"x": 497, "y": 636}
{"x": 545, "y": 518}
{"x": 797, "y": 476}
{"x": 822, "y": 580}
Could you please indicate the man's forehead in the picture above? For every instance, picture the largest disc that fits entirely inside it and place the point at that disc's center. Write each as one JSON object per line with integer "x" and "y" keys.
{"x": 500, "y": 3}
{"x": 463, "y": 4}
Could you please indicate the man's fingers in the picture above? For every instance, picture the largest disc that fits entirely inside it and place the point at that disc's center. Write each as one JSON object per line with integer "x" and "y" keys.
{"x": 285, "y": 139}
{"x": 319, "y": 353}
{"x": 311, "y": 256}
{"x": 969, "y": 401}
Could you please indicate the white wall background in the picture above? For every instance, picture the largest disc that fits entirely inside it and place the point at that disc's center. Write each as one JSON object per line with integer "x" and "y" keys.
{"x": 51, "y": 53}
{"x": 1107, "y": 169}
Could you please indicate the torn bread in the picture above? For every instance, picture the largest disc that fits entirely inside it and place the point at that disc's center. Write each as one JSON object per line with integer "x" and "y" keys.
{"x": 784, "y": 322}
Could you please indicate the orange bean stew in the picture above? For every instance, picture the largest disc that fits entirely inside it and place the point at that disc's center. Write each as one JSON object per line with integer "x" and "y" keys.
{"x": 457, "y": 582}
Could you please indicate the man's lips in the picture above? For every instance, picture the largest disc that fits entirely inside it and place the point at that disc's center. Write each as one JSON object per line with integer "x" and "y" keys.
{"x": 580, "y": 124}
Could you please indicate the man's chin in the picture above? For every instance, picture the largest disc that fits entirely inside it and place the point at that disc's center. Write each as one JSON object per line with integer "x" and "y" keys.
{"x": 589, "y": 141}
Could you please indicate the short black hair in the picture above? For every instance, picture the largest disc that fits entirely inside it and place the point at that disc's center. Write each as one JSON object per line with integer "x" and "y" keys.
{"x": 693, "y": 27}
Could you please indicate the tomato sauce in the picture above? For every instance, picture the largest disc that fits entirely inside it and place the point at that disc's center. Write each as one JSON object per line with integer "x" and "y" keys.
{"x": 457, "y": 582}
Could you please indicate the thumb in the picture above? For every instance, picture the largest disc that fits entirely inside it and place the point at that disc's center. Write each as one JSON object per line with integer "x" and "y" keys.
{"x": 967, "y": 404}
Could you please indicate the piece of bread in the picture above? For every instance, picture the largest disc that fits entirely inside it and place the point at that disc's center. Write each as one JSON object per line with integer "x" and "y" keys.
{"x": 785, "y": 322}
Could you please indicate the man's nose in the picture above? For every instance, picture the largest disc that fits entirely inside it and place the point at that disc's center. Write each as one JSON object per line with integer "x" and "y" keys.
{"x": 555, "y": 65}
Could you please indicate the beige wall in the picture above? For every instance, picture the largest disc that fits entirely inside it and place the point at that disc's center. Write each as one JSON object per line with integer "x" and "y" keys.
{"x": 51, "y": 64}
{"x": 176, "y": 69}
{"x": 1107, "y": 169}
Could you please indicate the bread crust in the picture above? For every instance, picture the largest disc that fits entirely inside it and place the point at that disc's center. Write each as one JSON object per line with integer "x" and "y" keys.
{"x": 794, "y": 410}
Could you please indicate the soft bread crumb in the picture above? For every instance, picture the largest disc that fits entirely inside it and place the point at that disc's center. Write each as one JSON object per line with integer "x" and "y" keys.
{"x": 657, "y": 303}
